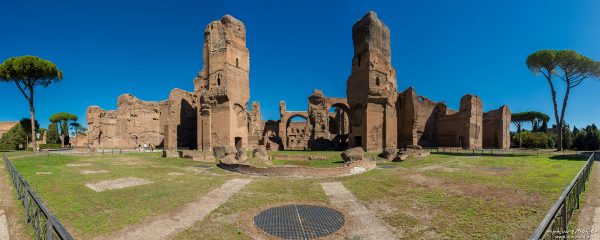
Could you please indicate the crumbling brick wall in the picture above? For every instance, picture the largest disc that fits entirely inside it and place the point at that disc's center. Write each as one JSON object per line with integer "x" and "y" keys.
{"x": 496, "y": 128}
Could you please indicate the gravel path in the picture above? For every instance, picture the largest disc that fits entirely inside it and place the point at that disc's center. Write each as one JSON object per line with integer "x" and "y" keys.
{"x": 366, "y": 224}
{"x": 11, "y": 217}
{"x": 167, "y": 225}
{"x": 588, "y": 221}
{"x": 3, "y": 226}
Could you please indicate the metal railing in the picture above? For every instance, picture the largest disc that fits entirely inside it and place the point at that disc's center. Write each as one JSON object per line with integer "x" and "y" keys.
{"x": 556, "y": 223}
{"x": 499, "y": 152}
{"x": 44, "y": 223}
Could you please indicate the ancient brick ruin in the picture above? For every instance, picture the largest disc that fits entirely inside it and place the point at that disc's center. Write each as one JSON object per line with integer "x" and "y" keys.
{"x": 373, "y": 116}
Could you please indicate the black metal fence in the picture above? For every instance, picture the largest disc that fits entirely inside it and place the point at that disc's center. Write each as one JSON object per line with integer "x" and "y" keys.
{"x": 556, "y": 223}
{"x": 44, "y": 223}
{"x": 500, "y": 152}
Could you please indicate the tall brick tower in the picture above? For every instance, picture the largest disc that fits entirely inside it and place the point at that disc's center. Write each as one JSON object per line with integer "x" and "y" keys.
{"x": 371, "y": 88}
{"x": 223, "y": 85}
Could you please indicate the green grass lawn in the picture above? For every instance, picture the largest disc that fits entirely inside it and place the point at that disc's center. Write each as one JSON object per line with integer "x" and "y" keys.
{"x": 465, "y": 197}
{"x": 16, "y": 153}
{"x": 231, "y": 220}
{"x": 86, "y": 213}
{"x": 436, "y": 197}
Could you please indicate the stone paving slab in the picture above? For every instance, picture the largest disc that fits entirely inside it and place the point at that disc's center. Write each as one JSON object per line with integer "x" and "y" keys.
{"x": 79, "y": 164}
{"x": 117, "y": 184}
{"x": 3, "y": 226}
{"x": 92, "y": 171}
{"x": 166, "y": 225}
{"x": 366, "y": 225}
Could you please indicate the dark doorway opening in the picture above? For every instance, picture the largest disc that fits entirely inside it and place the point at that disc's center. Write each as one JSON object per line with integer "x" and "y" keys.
{"x": 238, "y": 143}
{"x": 357, "y": 141}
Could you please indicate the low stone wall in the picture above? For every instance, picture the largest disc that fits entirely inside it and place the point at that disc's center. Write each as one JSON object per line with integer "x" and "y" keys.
{"x": 297, "y": 157}
{"x": 350, "y": 169}
{"x": 201, "y": 156}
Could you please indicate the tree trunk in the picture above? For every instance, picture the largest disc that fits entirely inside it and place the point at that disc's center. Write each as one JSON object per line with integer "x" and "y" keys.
{"x": 558, "y": 122}
{"x": 32, "y": 113}
{"x": 559, "y": 146}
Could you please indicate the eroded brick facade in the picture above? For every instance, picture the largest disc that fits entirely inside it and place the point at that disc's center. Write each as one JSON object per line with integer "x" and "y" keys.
{"x": 373, "y": 116}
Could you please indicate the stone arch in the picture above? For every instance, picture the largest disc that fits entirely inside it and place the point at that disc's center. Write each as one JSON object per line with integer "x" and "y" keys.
{"x": 296, "y": 134}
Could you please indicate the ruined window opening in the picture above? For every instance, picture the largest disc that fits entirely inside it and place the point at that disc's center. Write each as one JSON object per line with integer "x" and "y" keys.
{"x": 377, "y": 81}
{"x": 421, "y": 99}
{"x": 219, "y": 80}
{"x": 237, "y": 63}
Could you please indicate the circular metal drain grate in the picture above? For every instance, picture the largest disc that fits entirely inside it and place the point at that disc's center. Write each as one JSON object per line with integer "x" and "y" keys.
{"x": 299, "y": 221}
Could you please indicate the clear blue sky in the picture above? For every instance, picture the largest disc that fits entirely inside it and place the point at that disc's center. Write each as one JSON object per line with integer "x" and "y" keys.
{"x": 444, "y": 49}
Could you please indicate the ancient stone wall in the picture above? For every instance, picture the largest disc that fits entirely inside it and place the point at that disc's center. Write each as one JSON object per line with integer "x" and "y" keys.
{"x": 463, "y": 128}
{"x": 223, "y": 85}
{"x": 318, "y": 122}
{"x": 255, "y": 125}
{"x": 373, "y": 116}
{"x": 178, "y": 120}
{"x": 137, "y": 122}
{"x": 270, "y": 136}
{"x": 371, "y": 88}
{"x": 102, "y": 127}
{"x": 416, "y": 119}
{"x": 5, "y": 126}
{"x": 496, "y": 128}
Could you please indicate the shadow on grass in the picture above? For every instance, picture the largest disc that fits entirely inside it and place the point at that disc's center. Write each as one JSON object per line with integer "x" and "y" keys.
{"x": 570, "y": 157}
{"x": 485, "y": 154}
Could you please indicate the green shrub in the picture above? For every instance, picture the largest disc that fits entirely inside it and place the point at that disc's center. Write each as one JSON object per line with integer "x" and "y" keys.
{"x": 50, "y": 146}
{"x": 8, "y": 147}
{"x": 535, "y": 139}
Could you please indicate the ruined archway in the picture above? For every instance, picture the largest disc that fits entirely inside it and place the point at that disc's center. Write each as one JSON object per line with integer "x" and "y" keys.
{"x": 339, "y": 125}
{"x": 297, "y": 132}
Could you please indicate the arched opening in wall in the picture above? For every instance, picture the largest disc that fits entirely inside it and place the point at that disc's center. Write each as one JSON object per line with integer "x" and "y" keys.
{"x": 219, "y": 80}
{"x": 377, "y": 82}
{"x": 187, "y": 128}
{"x": 297, "y": 136}
{"x": 238, "y": 143}
{"x": 270, "y": 137}
{"x": 237, "y": 64}
{"x": 100, "y": 139}
{"x": 339, "y": 125}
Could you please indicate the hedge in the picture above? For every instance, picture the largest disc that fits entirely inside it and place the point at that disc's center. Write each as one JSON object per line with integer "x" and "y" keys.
{"x": 50, "y": 146}
{"x": 8, "y": 147}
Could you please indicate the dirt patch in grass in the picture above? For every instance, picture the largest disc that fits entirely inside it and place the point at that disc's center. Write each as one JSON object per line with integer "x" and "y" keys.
{"x": 439, "y": 168}
{"x": 494, "y": 171}
{"x": 510, "y": 196}
{"x": 413, "y": 221}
